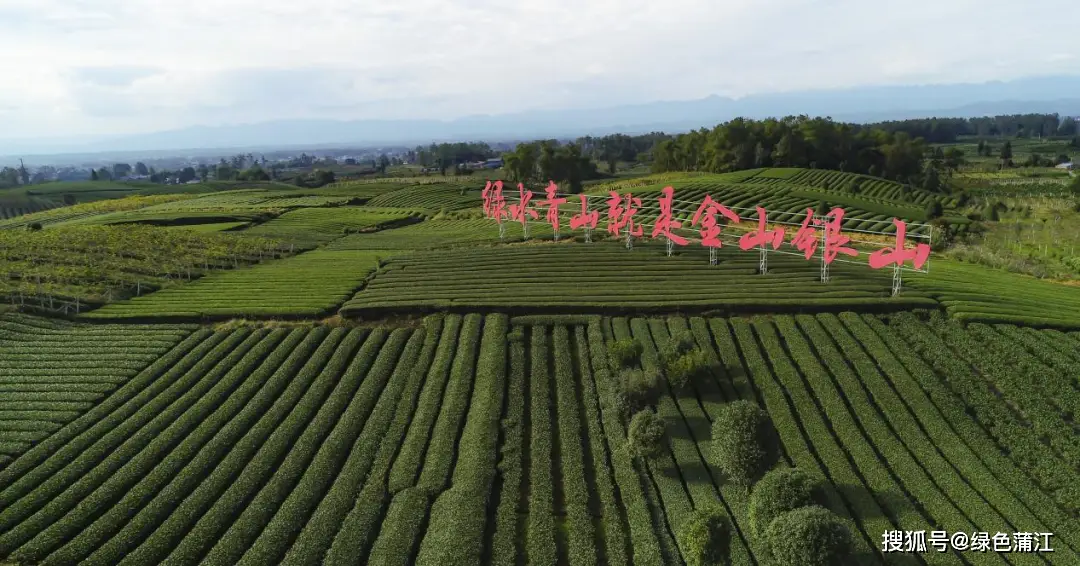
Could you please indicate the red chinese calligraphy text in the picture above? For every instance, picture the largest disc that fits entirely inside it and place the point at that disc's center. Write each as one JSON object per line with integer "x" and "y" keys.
{"x": 710, "y": 227}
{"x": 899, "y": 254}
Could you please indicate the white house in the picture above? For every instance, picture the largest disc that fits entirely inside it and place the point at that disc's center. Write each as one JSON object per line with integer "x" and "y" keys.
{"x": 1066, "y": 166}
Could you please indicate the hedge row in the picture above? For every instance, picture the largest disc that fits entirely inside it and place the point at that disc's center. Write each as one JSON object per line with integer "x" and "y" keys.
{"x": 290, "y": 518}
{"x": 690, "y": 445}
{"x": 196, "y": 520}
{"x": 878, "y": 475}
{"x": 1012, "y": 377}
{"x": 959, "y": 438}
{"x": 185, "y": 384}
{"x": 378, "y": 400}
{"x": 791, "y": 420}
{"x": 456, "y": 533}
{"x": 127, "y": 515}
{"x": 439, "y": 461}
{"x": 355, "y": 538}
{"x": 504, "y": 547}
{"x": 937, "y": 505}
{"x": 616, "y": 543}
{"x": 410, "y": 459}
{"x": 620, "y": 330}
{"x": 582, "y": 546}
{"x": 231, "y": 525}
{"x": 540, "y": 529}
{"x": 166, "y": 454}
{"x": 1021, "y": 442}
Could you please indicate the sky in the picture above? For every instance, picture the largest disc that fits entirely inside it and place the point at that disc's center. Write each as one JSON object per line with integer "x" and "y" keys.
{"x": 114, "y": 67}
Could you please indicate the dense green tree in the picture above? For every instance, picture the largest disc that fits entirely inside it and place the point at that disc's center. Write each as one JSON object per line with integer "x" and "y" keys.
{"x": 646, "y": 434}
{"x": 254, "y": 173}
{"x": 140, "y": 169}
{"x": 705, "y": 537}
{"x": 745, "y": 443}
{"x": 809, "y": 536}
{"x": 931, "y": 180}
{"x": 779, "y": 491}
{"x": 1006, "y": 154}
{"x": 93, "y": 175}
{"x": 934, "y": 209}
{"x": 187, "y": 174}
{"x": 120, "y": 170}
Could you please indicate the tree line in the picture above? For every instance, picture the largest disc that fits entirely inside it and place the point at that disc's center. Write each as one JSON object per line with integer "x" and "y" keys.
{"x": 948, "y": 130}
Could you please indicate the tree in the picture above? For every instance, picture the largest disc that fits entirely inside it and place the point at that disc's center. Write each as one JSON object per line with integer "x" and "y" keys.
{"x": 104, "y": 174}
{"x": 745, "y": 443}
{"x": 225, "y": 172}
{"x": 140, "y": 169}
{"x": 705, "y": 537}
{"x": 204, "y": 172}
{"x": 639, "y": 389}
{"x": 1006, "y": 154}
{"x": 932, "y": 181}
{"x": 822, "y": 208}
{"x": 187, "y": 174}
{"x": 93, "y": 175}
{"x": 779, "y": 491}
{"x": 982, "y": 148}
{"x": 625, "y": 353}
{"x": 934, "y": 210}
{"x": 954, "y": 159}
{"x": 24, "y": 173}
{"x": 809, "y": 536}
{"x": 1074, "y": 187}
{"x": 383, "y": 163}
{"x": 646, "y": 434}
{"x": 254, "y": 173}
{"x": 120, "y": 170}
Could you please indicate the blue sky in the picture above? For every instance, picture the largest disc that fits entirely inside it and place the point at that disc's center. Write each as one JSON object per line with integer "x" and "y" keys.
{"x": 78, "y": 67}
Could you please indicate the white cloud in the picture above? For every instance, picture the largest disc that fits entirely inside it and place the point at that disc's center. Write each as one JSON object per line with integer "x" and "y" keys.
{"x": 120, "y": 66}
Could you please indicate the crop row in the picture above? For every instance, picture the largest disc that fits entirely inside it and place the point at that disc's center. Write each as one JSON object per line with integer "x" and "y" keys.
{"x": 1019, "y": 440}
{"x": 319, "y": 225}
{"x": 457, "y": 530}
{"x": 852, "y": 375}
{"x": 66, "y": 363}
{"x": 431, "y": 197}
{"x": 308, "y": 284}
{"x": 966, "y": 446}
{"x": 361, "y": 527}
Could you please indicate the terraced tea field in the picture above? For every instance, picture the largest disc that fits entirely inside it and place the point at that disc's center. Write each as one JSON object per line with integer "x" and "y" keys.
{"x": 365, "y": 373}
{"x": 479, "y": 439}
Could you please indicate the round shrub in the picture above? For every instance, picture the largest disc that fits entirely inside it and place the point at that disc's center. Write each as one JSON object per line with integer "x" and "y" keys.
{"x": 705, "y": 538}
{"x": 640, "y": 387}
{"x": 33, "y": 226}
{"x": 745, "y": 444}
{"x": 646, "y": 434}
{"x": 675, "y": 346}
{"x": 689, "y": 366}
{"x": 625, "y": 353}
{"x": 779, "y": 491}
{"x": 809, "y": 536}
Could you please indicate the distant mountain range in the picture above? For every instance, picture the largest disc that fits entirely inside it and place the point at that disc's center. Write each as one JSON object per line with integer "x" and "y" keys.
{"x": 863, "y": 104}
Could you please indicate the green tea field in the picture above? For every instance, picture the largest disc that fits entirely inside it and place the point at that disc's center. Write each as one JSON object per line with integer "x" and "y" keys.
{"x": 367, "y": 373}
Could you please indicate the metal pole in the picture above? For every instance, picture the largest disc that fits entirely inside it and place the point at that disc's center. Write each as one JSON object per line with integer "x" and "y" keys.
{"x": 670, "y": 247}
{"x": 824, "y": 264}
{"x": 896, "y": 280}
{"x": 763, "y": 260}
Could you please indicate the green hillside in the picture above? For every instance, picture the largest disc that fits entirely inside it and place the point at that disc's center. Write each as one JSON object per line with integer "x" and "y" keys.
{"x": 368, "y": 373}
